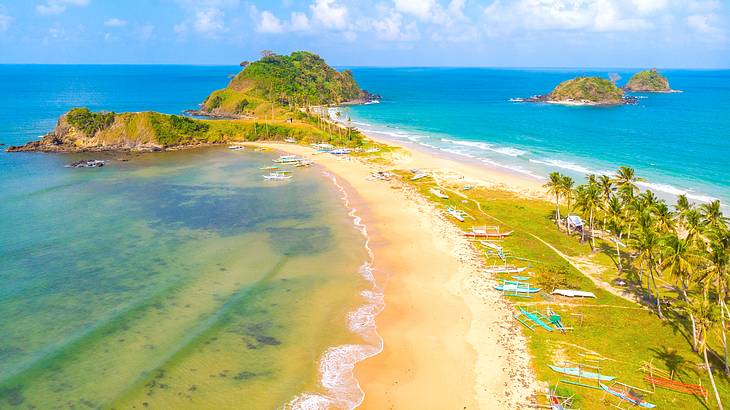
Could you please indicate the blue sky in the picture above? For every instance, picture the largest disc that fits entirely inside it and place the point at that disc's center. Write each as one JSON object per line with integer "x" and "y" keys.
{"x": 517, "y": 33}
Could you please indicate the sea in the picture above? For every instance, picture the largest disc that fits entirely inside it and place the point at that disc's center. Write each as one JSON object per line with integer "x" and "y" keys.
{"x": 184, "y": 280}
{"x": 171, "y": 280}
{"x": 678, "y": 142}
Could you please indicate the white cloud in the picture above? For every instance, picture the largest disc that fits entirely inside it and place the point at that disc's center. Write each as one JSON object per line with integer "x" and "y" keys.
{"x": 115, "y": 22}
{"x": 576, "y": 15}
{"x": 423, "y": 9}
{"x": 209, "y": 22}
{"x": 299, "y": 22}
{"x": 331, "y": 14}
{"x": 5, "y": 21}
{"x": 392, "y": 28}
{"x": 269, "y": 23}
{"x": 59, "y": 6}
{"x": 707, "y": 26}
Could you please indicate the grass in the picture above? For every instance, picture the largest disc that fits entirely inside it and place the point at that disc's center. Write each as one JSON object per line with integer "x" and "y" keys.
{"x": 622, "y": 332}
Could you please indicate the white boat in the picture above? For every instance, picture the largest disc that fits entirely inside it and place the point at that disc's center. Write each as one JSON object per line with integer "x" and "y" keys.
{"x": 236, "y": 147}
{"x": 341, "y": 151}
{"x": 571, "y": 293}
{"x": 277, "y": 176}
{"x": 504, "y": 269}
{"x": 288, "y": 159}
{"x": 419, "y": 176}
{"x": 304, "y": 163}
{"x": 459, "y": 215}
{"x": 438, "y": 193}
{"x": 271, "y": 168}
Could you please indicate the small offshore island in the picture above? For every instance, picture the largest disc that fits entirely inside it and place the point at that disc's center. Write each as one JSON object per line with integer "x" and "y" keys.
{"x": 602, "y": 92}
{"x": 274, "y": 98}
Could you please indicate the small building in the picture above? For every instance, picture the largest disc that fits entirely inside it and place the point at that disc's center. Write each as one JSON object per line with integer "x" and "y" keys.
{"x": 575, "y": 223}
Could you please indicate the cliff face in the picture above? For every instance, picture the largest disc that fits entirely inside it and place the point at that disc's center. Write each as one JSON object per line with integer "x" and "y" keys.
{"x": 297, "y": 80}
{"x": 588, "y": 90}
{"x": 83, "y": 130}
{"x": 648, "y": 81}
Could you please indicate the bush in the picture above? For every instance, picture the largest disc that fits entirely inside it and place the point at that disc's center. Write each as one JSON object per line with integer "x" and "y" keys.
{"x": 241, "y": 107}
{"x": 176, "y": 130}
{"x": 554, "y": 277}
{"x": 89, "y": 123}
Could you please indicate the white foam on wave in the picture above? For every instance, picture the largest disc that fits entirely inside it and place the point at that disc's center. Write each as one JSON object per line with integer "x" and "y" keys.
{"x": 570, "y": 166}
{"x": 514, "y": 168}
{"x": 509, "y": 151}
{"x": 670, "y": 189}
{"x": 342, "y": 390}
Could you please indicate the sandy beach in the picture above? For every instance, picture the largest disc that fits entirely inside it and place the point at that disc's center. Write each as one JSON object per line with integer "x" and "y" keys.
{"x": 443, "y": 324}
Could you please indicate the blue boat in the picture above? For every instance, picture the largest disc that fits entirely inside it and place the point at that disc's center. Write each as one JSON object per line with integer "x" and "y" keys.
{"x": 637, "y": 401}
{"x": 517, "y": 288}
{"x": 578, "y": 372}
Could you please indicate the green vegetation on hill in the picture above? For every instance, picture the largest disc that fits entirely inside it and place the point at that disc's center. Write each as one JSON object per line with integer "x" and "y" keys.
{"x": 81, "y": 129}
{"x": 298, "y": 80}
{"x": 587, "y": 89}
{"x": 648, "y": 80}
{"x": 89, "y": 122}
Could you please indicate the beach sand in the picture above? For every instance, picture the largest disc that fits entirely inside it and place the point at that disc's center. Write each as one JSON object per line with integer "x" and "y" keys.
{"x": 449, "y": 338}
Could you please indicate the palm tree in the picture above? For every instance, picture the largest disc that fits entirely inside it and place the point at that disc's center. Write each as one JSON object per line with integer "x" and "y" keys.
{"x": 664, "y": 217}
{"x": 626, "y": 178}
{"x": 605, "y": 187}
{"x": 588, "y": 199}
{"x": 613, "y": 211}
{"x": 647, "y": 245}
{"x": 719, "y": 258}
{"x": 706, "y": 319}
{"x": 680, "y": 262}
{"x": 566, "y": 184}
{"x": 554, "y": 186}
{"x": 712, "y": 214}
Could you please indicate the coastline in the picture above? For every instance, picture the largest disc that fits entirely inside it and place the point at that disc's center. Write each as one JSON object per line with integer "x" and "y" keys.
{"x": 439, "y": 308}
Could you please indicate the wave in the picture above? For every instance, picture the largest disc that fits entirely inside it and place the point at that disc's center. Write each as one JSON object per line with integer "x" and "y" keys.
{"x": 510, "y": 151}
{"x": 670, "y": 189}
{"x": 337, "y": 364}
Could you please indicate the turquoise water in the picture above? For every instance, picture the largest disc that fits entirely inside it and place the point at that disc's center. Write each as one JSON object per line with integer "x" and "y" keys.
{"x": 679, "y": 142}
{"x": 173, "y": 280}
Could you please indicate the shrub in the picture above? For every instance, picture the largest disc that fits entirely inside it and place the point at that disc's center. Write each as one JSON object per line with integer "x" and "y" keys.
{"x": 89, "y": 123}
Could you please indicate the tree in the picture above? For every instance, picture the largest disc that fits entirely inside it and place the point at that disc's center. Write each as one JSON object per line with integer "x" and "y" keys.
{"x": 605, "y": 186}
{"x": 626, "y": 178}
{"x": 566, "y": 184}
{"x": 588, "y": 200}
{"x": 647, "y": 245}
{"x": 717, "y": 274}
{"x": 554, "y": 187}
{"x": 614, "y": 213}
{"x": 712, "y": 214}
{"x": 706, "y": 319}
{"x": 680, "y": 261}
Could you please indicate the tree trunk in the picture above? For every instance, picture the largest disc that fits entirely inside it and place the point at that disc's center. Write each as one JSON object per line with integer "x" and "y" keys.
{"x": 656, "y": 291}
{"x": 557, "y": 210}
{"x": 691, "y": 318}
{"x": 593, "y": 234}
{"x": 618, "y": 252}
{"x": 712, "y": 378}
{"x": 724, "y": 337}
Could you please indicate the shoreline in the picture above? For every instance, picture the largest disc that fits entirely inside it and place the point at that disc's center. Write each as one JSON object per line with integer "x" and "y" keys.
{"x": 439, "y": 308}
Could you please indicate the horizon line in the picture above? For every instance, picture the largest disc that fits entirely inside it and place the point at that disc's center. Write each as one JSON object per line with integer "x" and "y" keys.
{"x": 346, "y": 66}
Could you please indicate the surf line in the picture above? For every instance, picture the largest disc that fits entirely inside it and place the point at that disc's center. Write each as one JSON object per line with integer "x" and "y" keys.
{"x": 337, "y": 364}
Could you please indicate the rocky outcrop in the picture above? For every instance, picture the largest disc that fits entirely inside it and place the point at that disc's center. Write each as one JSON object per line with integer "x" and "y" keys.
{"x": 648, "y": 81}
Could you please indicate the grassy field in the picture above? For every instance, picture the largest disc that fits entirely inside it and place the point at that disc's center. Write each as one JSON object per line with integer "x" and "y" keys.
{"x": 611, "y": 332}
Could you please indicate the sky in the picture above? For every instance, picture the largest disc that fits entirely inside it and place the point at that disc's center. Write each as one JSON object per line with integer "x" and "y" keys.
{"x": 488, "y": 33}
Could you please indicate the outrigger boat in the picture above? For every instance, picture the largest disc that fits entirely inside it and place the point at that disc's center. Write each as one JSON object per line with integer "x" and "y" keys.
{"x": 534, "y": 317}
{"x": 459, "y": 215}
{"x": 340, "y": 151}
{"x": 304, "y": 163}
{"x": 580, "y": 373}
{"x": 277, "y": 176}
{"x": 438, "y": 193}
{"x": 505, "y": 269}
{"x": 288, "y": 159}
{"x": 629, "y": 396}
{"x": 516, "y": 287}
{"x": 488, "y": 232}
{"x": 271, "y": 168}
{"x": 236, "y": 147}
{"x": 419, "y": 176}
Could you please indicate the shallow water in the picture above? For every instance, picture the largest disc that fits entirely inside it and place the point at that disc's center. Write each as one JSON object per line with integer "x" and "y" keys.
{"x": 176, "y": 280}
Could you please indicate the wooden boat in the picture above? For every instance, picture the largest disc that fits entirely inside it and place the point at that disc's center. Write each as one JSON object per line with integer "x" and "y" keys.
{"x": 516, "y": 287}
{"x": 459, "y": 215}
{"x": 675, "y": 385}
{"x": 535, "y": 319}
{"x": 578, "y": 372}
{"x": 485, "y": 233}
{"x": 271, "y": 168}
{"x": 438, "y": 193}
{"x": 628, "y": 396}
{"x": 277, "y": 176}
{"x": 288, "y": 159}
{"x": 304, "y": 163}
{"x": 555, "y": 403}
{"x": 504, "y": 269}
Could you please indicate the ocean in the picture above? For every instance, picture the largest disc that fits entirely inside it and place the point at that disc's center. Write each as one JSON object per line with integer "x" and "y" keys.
{"x": 170, "y": 280}
{"x": 678, "y": 142}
